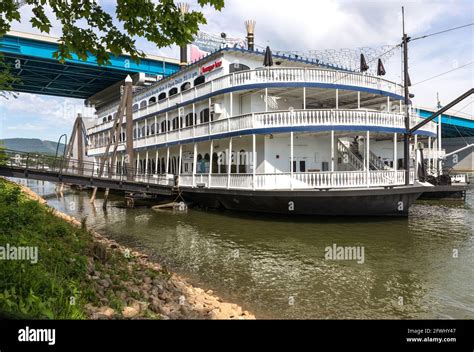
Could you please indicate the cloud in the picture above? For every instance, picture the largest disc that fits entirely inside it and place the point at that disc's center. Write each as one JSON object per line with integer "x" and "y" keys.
{"x": 305, "y": 25}
{"x": 54, "y": 109}
{"x": 26, "y": 127}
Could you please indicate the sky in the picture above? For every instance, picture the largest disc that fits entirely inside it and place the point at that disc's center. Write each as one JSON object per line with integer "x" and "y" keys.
{"x": 300, "y": 25}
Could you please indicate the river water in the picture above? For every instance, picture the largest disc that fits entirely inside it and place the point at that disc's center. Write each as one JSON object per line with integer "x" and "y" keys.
{"x": 420, "y": 267}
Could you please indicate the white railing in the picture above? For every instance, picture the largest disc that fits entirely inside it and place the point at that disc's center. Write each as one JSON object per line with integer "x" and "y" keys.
{"x": 459, "y": 178}
{"x": 274, "y": 119}
{"x": 270, "y": 75}
{"x": 302, "y": 180}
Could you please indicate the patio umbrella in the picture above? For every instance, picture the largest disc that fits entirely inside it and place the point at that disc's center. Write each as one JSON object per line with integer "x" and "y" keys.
{"x": 380, "y": 68}
{"x": 268, "y": 59}
{"x": 363, "y": 64}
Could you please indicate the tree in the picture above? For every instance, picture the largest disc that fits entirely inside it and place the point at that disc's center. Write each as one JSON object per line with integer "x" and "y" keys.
{"x": 87, "y": 29}
{"x": 6, "y": 80}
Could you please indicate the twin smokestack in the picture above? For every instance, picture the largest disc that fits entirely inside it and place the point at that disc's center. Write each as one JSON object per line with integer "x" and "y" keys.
{"x": 183, "y": 49}
{"x": 250, "y": 26}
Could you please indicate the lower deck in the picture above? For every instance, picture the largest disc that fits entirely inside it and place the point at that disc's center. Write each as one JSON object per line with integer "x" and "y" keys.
{"x": 284, "y": 161}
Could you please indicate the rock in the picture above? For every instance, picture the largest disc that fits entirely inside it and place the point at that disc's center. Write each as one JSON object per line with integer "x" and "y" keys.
{"x": 130, "y": 312}
{"x": 104, "y": 283}
{"x": 105, "y": 313}
{"x": 147, "y": 280}
{"x": 210, "y": 292}
{"x": 122, "y": 295}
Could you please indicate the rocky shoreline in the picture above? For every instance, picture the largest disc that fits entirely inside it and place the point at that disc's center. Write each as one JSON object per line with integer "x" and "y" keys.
{"x": 139, "y": 288}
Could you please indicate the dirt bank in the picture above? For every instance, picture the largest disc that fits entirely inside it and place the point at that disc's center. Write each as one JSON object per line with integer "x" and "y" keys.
{"x": 130, "y": 286}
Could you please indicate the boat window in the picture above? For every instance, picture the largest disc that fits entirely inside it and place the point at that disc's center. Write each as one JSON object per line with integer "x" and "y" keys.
{"x": 162, "y": 96}
{"x": 302, "y": 166}
{"x": 152, "y": 128}
{"x": 152, "y": 101}
{"x": 214, "y": 166}
{"x": 190, "y": 119}
{"x": 236, "y": 67}
{"x": 199, "y": 80}
{"x": 163, "y": 165}
{"x": 175, "y": 123}
{"x": 135, "y": 107}
{"x": 204, "y": 115}
{"x": 143, "y": 104}
{"x": 173, "y": 165}
{"x": 163, "y": 126}
{"x": 185, "y": 86}
{"x": 242, "y": 161}
{"x": 109, "y": 118}
{"x": 104, "y": 120}
{"x": 173, "y": 91}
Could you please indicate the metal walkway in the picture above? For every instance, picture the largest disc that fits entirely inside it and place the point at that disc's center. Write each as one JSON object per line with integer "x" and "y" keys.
{"x": 59, "y": 169}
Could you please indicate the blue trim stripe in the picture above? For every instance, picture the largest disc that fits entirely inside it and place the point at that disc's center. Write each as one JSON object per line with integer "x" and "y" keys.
{"x": 271, "y": 85}
{"x": 285, "y": 130}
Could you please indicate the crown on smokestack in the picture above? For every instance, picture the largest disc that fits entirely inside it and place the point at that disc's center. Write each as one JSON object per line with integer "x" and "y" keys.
{"x": 183, "y": 7}
{"x": 183, "y": 49}
{"x": 250, "y": 26}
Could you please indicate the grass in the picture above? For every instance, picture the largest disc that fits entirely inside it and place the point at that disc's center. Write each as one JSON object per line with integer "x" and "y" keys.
{"x": 60, "y": 285}
{"x": 54, "y": 287}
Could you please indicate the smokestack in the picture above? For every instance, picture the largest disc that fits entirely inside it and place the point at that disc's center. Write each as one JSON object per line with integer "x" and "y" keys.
{"x": 183, "y": 49}
{"x": 250, "y": 26}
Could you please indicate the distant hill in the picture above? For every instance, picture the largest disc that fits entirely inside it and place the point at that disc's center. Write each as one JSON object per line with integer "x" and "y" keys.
{"x": 31, "y": 145}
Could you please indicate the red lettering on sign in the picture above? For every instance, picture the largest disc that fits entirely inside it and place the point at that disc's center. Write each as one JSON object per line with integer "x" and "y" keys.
{"x": 209, "y": 68}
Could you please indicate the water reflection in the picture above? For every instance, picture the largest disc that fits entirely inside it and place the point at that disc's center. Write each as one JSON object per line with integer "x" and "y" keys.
{"x": 276, "y": 267}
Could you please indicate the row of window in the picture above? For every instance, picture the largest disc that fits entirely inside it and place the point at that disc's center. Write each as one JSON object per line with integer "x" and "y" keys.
{"x": 234, "y": 67}
{"x": 202, "y": 166}
{"x": 151, "y": 129}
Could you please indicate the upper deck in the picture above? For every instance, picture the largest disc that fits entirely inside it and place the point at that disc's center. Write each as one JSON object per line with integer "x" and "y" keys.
{"x": 211, "y": 98}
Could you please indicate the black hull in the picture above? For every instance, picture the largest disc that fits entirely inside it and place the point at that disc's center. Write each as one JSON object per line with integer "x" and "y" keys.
{"x": 454, "y": 192}
{"x": 373, "y": 202}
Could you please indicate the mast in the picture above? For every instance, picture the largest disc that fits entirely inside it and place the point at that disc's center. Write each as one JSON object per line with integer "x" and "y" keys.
{"x": 406, "y": 139}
